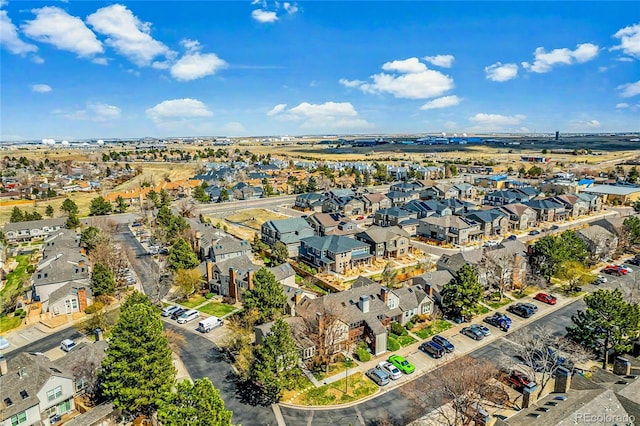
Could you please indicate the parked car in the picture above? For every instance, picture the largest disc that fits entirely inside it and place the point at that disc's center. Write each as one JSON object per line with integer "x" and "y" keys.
{"x": 600, "y": 279}
{"x": 403, "y": 365}
{"x": 501, "y": 321}
{"x": 520, "y": 310}
{"x": 474, "y": 333}
{"x": 554, "y": 227}
{"x": 433, "y": 349}
{"x": 625, "y": 268}
{"x": 176, "y": 314}
{"x": 546, "y": 298}
{"x": 612, "y": 270}
{"x": 534, "y": 232}
{"x": 67, "y": 344}
{"x": 446, "y": 344}
{"x": 490, "y": 243}
{"x": 4, "y": 343}
{"x": 190, "y": 315}
{"x": 391, "y": 370}
{"x": 378, "y": 376}
{"x": 634, "y": 261}
{"x": 531, "y": 306}
{"x": 208, "y": 324}
{"x": 520, "y": 381}
{"x": 512, "y": 237}
{"x": 167, "y": 311}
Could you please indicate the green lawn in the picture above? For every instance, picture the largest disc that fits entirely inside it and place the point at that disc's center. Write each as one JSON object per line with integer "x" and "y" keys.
{"x": 9, "y": 323}
{"x": 194, "y": 301}
{"x": 18, "y": 275}
{"x": 217, "y": 309}
{"x": 405, "y": 340}
{"x": 495, "y": 304}
{"x": 525, "y": 293}
{"x": 434, "y": 328}
{"x": 358, "y": 386}
{"x": 334, "y": 369}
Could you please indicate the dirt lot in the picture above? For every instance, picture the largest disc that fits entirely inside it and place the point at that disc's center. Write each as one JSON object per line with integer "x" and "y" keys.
{"x": 156, "y": 173}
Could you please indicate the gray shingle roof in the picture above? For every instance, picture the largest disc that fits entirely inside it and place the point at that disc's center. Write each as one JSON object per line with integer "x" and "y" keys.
{"x": 379, "y": 234}
{"x": 35, "y": 224}
{"x": 292, "y": 224}
{"x": 282, "y": 272}
{"x": 333, "y": 243}
{"x": 242, "y": 264}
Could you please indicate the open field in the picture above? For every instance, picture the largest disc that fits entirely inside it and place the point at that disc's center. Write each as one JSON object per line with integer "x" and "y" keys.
{"x": 82, "y": 199}
{"x": 254, "y": 218}
{"x": 156, "y": 173}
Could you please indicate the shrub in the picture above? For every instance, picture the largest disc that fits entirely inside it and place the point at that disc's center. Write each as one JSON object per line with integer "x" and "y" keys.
{"x": 95, "y": 307}
{"x": 409, "y": 325}
{"x": 416, "y": 318}
{"x": 361, "y": 353}
{"x": 19, "y": 313}
{"x": 31, "y": 269}
{"x": 392, "y": 344}
{"x": 209, "y": 296}
{"x": 398, "y": 329}
{"x": 339, "y": 357}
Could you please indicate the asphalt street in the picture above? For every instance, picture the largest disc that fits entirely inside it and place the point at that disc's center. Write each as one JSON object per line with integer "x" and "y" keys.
{"x": 46, "y": 342}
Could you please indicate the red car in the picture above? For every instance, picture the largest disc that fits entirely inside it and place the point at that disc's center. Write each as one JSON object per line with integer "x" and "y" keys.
{"x": 615, "y": 270}
{"x": 546, "y": 298}
{"x": 519, "y": 380}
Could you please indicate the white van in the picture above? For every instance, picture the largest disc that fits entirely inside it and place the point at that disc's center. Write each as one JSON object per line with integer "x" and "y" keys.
{"x": 208, "y": 324}
{"x": 67, "y": 344}
{"x": 190, "y": 315}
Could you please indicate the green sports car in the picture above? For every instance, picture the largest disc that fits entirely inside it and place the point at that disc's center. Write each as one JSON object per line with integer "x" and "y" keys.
{"x": 403, "y": 365}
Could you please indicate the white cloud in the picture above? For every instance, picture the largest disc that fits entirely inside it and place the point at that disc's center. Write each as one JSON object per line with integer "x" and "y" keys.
{"x": 629, "y": 40}
{"x": 444, "y": 102}
{"x": 9, "y": 38}
{"x": 96, "y": 112}
{"x": 624, "y": 59}
{"x": 178, "y": 109}
{"x": 3, "y": 3}
{"x": 193, "y": 64}
{"x": 501, "y": 72}
{"x": 41, "y": 88}
{"x": 264, "y": 16}
{"x": 350, "y": 83}
{"x": 54, "y": 26}
{"x": 622, "y": 105}
{"x": 276, "y": 109}
{"x": 128, "y": 35}
{"x": 411, "y": 80}
{"x": 629, "y": 90}
{"x": 494, "y": 122}
{"x": 290, "y": 8}
{"x": 544, "y": 61}
{"x": 326, "y": 116}
{"x": 100, "y": 61}
{"x": 234, "y": 128}
{"x": 406, "y": 66}
{"x": 585, "y": 125}
{"x": 444, "y": 61}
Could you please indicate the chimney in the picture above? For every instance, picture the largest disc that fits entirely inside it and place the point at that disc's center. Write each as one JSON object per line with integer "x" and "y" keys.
{"x": 250, "y": 280}
{"x": 209, "y": 271}
{"x": 3, "y": 366}
{"x": 563, "y": 380}
{"x": 198, "y": 244}
{"x": 82, "y": 299}
{"x": 81, "y": 262}
{"x": 233, "y": 287}
{"x": 98, "y": 334}
{"x": 528, "y": 397}
{"x": 384, "y": 295}
{"x": 297, "y": 296}
{"x": 364, "y": 304}
{"x": 621, "y": 366}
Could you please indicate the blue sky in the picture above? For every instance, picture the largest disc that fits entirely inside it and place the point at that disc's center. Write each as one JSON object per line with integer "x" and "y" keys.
{"x": 160, "y": 68}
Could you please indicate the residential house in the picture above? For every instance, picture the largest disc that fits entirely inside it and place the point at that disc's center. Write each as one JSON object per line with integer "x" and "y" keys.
{"x": 594, "y": 201}
{"x": 521, "y": 217}
{"x": 426, "y": 208}
{"x": 457, "y": 206}
{"x": 243, "y": 191}
{"x": 432, "y": 282}
{"x": 230, "y": 277}
{"x": 439, "y": 191}
{"x": 573, "y": 204}
{"x": 399, "y": 198}
{"x": 466, "y": 191}
{"x": 449, "y": 229}
{"x": 548, "y": 210}
{"x": 332, "y": 224}
{"x": 300, "y": 333}
{"x": 393, "y": 216}
{"x": 369, "y": 309}
{"x": 310, "y": 201}
{"x": 494, "y": 182}
{"x": 390, "y": 242}
{"x": 406, "y": 186}
{"x": 71, "y": 297}
{"x": 508, "y": 196}
{"x": 83, "y": 354}
{"x": 34, "y": 391}
{"x": 601, "y": 242}
{"x": 374, "y": 201}
{"x": 334, "y": 253}
{"x": 492, "y": 222}
{"x": 32, "y": 229}
{"x": 217, "y": 249}
{"x": 508, "y": 262}
{"x": 62, "y": 263}
{"x": 343, "y": 201}
{"x": 288, "y": 231}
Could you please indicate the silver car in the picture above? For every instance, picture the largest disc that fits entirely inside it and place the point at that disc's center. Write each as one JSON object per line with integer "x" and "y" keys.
{"x": 390, "y": 369}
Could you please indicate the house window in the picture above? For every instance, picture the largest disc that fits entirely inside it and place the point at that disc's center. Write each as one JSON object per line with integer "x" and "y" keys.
{"x": 19, "y": 418}
{"x": 54, "y": 393}
{"x": 391, "y": 303}
{"x": 64, "y": 407}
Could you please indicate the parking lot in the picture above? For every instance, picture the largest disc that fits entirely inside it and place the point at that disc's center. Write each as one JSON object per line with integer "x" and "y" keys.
{"x": 217, "y": 335}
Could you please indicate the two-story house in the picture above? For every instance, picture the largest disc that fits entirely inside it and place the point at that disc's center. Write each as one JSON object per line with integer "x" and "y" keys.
{"x": 449, "y": 229}
{"x": 310, "y": 201}
{"x": 548, "y": 210}
{"x": 332, "y": 224}
{"x": 374, "y": 201}
{"x": 521, "y": 217}
{"x": 334, "y": 253}
{"x": 426, "y": 208}
{"x": 343, "y": 201}
{"x": 32, "y": 229}
{"x": 573, "y": 204}
{"x": 400, "y": 198}
{"x": 289, "y": 231}
{"x": 393, "y": 216}
{"x": 492, "y": 222}
{"x": 507, "y": 196}
{"x": 593, "y": 200}
{"x": 602, "y": 243}
{"x": 390, "y": 242}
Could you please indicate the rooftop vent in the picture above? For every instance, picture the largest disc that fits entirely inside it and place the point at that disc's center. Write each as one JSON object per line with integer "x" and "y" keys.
{"x": 8, "y": 402}
{"x": 24, "y": 394}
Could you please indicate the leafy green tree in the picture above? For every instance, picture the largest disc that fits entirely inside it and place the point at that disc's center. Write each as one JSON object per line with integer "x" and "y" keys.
{"x": 633, "y": 175}
{"x": 195, "y": 404}
{"x": 154, "y": 198}
{"x": 137, "y": 371}
{"x": 461, "y": 295}
{"x": 275, "y": 366}
{"x": 102, "y": 281}
{"x": 188, "y": 281}
{"x": 574, "y": 274}
{"x": 89, "y": 237}
{"x": 165, "y": 200}
{"x": 200, "y": 195}
{"x": 32, "y": 216}
{"x": 389, "y": 275}
{"x": 267, "y": 296}
{"x": 49, "y": 211}
{"x": 99, "y": 207}
{"x": 181, "y": 256}
{"x": 312, "y": 184}
{"x": 16, "y": 215}
{"x": 121, "y": 205}
{"x": 224, "y": 195}
{"x": 550, "y": 251}
{"x": 280, "y": 253}
{"x": 268, "y": 190}
{"x": 575, "y": 246}
{"x": 534, "y": 171}
{"x": 69, "y": 206}
{"x": 72, "y": 221}
{"x": 609, "y": 322}
{"x": 631, "y": 226}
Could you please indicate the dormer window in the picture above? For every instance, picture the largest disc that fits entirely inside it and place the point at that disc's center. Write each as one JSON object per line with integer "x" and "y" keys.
{"x": 24, "y": 394}
{"x": 8, "y": 402}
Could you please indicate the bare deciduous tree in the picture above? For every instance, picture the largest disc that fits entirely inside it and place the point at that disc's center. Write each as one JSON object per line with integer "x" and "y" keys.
{"x": 329, "y": 334}
{"x": 187, "y": 208}
{"x": 86, "y": 378}
{"x": 499, "y": 267}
